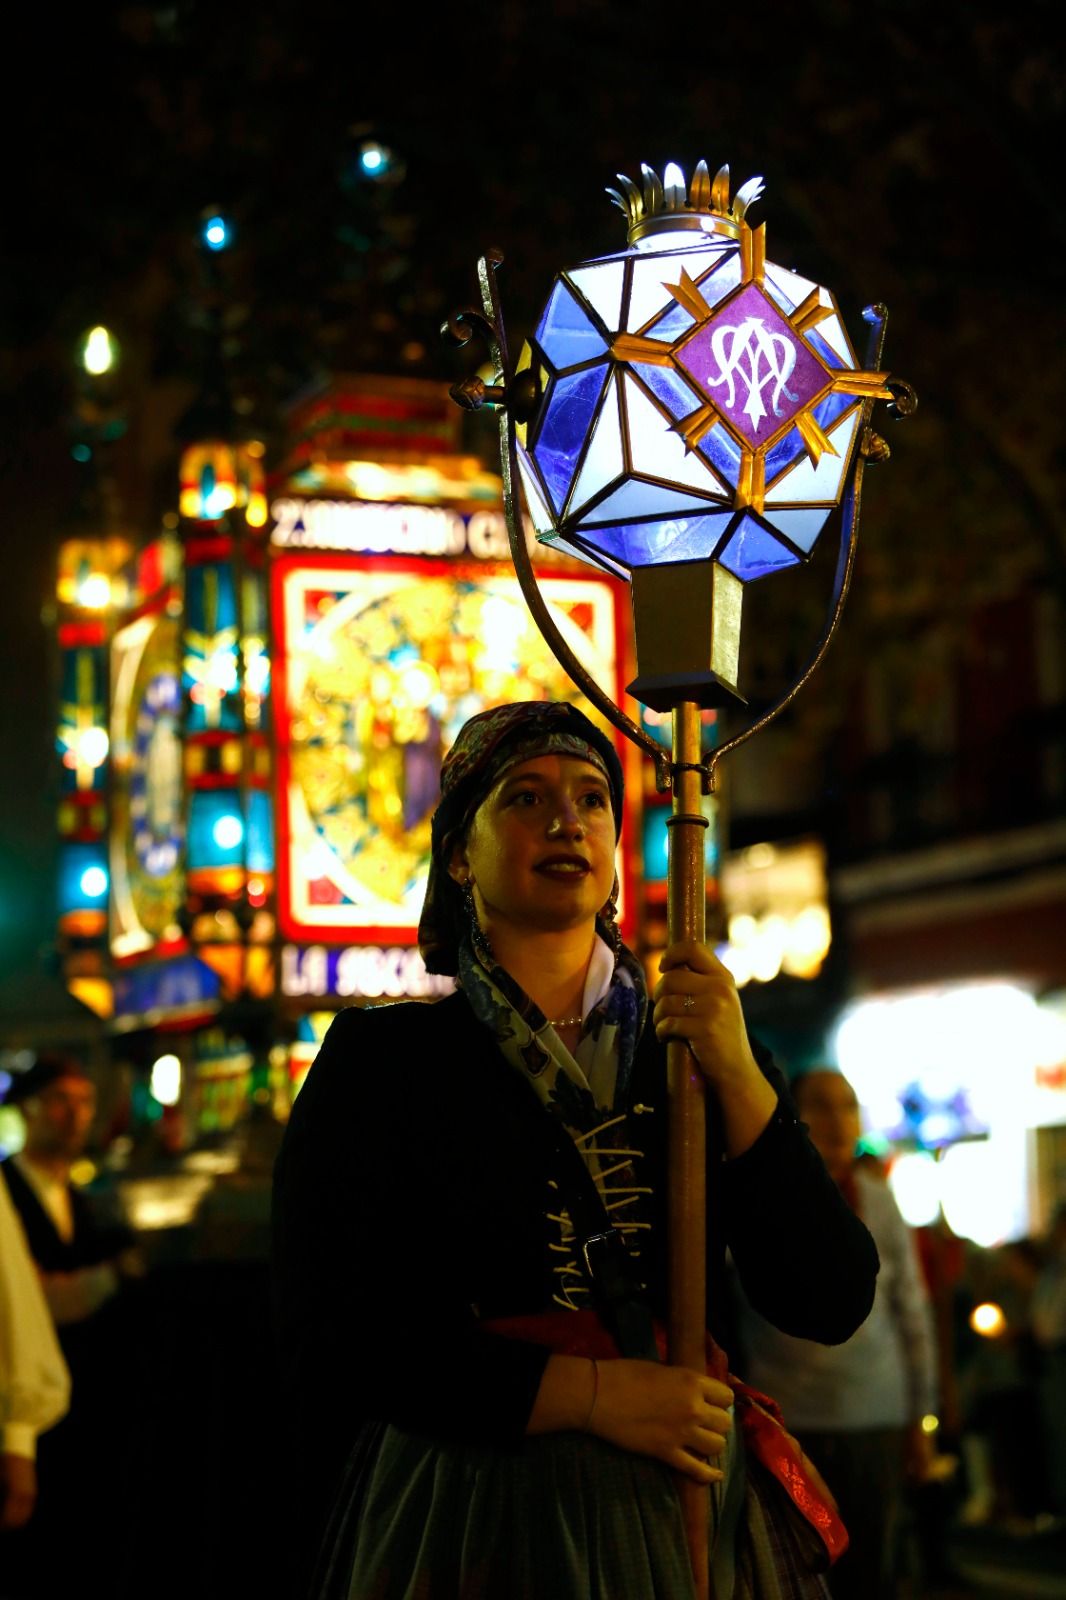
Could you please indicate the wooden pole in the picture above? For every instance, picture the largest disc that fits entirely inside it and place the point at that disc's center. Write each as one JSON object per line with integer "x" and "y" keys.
{"x": 687, "y": 1113}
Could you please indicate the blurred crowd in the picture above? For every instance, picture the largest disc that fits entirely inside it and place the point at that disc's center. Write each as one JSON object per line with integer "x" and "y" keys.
{"x": 138, "y": 1430}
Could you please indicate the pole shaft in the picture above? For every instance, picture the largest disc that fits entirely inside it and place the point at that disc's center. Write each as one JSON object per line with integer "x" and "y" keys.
{"x": 687, "y": 1119}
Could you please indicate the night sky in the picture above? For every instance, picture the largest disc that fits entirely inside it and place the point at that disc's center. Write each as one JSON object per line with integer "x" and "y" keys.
{"x": 908, "y": 157}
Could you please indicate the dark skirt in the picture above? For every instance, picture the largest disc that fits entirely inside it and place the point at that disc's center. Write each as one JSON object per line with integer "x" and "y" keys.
{"x": 564, "y": 1516}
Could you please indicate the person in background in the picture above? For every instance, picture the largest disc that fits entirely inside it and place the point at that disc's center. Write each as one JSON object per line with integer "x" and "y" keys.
{"x": 34, "y": 1381}
{"x": 857, "y": 1407}
{"x": 84, "y": 1259}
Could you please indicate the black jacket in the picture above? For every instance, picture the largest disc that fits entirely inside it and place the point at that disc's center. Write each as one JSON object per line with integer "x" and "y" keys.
{"x": 409, "y": 1204}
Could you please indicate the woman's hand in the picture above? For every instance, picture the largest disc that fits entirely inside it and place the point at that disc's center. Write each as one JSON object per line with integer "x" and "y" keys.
{"x": 677, "y": 1416}
{"x": 696, "y": 1000}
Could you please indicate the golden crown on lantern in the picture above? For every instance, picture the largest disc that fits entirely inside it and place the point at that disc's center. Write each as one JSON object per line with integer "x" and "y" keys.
{"x": 666, "y": 204}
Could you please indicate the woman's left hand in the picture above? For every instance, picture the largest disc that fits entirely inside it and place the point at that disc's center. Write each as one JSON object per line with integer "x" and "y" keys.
{"x": 696, "y": 1000}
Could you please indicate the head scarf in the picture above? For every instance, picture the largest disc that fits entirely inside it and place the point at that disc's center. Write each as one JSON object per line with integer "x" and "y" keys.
{"x": 486, "y": 747}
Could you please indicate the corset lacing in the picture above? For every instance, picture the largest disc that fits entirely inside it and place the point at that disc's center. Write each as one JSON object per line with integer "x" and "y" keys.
{"x": 612, "y": 1172}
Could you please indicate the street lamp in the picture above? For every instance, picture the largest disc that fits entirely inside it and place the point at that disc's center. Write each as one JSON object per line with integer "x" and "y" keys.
{"x": 686, "y": 416}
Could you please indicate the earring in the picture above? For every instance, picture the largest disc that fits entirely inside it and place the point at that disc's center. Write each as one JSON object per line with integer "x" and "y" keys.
{"x": 609, "y": 920}
{"x": 481, "y": 947}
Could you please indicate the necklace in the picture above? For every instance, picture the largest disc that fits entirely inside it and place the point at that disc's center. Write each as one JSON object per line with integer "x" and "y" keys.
{"x": 565, "y": 1022}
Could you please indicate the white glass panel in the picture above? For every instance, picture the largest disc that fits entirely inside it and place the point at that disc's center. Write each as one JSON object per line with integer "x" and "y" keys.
{"x": 790, "y": 283}
{"x": 660, "y": 453}
{"x": 720, "y": 283}
{"x": 820, "y": 483}
{"x": 832, "y": 331}
{"x": 603, "y": 462}
{"x": 602, "y": 288}
{"x": 636, "y": 498}
{"x": 800, "y": 527}
{"x": 582, "y": 555}
{"x": 539, "y": 514}
{"x": 648, "y": 296}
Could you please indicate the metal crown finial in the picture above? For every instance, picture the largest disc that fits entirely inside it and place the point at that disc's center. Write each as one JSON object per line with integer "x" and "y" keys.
{"x": 663, "y": 204}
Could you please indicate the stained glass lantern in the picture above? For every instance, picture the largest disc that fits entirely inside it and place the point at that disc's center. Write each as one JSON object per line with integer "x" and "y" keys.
{"x": 699, "y": 409}
{"x": 218, "y": 477}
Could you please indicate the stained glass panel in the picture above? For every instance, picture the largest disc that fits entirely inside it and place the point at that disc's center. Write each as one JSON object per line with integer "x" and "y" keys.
{"x": 794, "y": 288}
{"x": 724, "y": 453}
{"x": 787, "y": 451}
{"x": 566, "y": 335}
{"x": 539, "y": 514}
{"x": 753, "y": 552}
{"x": 603, "y": 459}
{"x": 832, "y": 331}
{"x": 641, "y": 544}
{"x": 657, "y": 451}
{"x": 571, "y": 405}
{"x": 802, "y": 527}
{"x": 814, "y": 338}
{"x": 820, "y": 483}
{"x": 635, "y": 498}
{"x": 667, "y": 385}
{"x": 602, "y": 288}
{"x": 649, "y": 294}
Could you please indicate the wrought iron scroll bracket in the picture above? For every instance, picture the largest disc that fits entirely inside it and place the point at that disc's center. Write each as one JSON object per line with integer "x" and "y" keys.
{"x": 514, "y": 402}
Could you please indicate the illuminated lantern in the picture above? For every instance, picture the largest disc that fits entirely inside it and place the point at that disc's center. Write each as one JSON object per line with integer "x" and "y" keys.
{"x": 699, "y": 404}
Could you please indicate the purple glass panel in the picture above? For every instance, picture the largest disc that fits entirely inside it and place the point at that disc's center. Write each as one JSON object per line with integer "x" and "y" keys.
{"x": 566, "y": 335}
{"x": 646, "y": 544}
{"x": 571, "y": 406}
{"x": 723, "y": 452}
{"x": 752, "y": 365}
{"x": 753, "y": 551}
{"x": 667, "y": 385}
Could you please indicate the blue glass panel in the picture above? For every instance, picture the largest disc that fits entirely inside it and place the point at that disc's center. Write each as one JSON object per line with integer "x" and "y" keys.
{"x": 667, "y": 385}
{"x": 603, "y": 459}
{"x": 570, "y": 410}
{"x": 260, "y": 832}
{"x": 835, "y": 335}
{"x": 826, "y": 351}
{"x": 723, "y": 280}
{"x": 753, "y": 551}
{"x": 723, "y": 452}
{"x": 802, "y": 527}
{"x": 672, "y": 325}
{"x": 786, "y": 451}
{"x": 635, "y": 498}
{"x": 566, "y": 335}
{"x": 646, "y": 544}
{"x": 650, "y": 293}
{"x": 833, "y": 406}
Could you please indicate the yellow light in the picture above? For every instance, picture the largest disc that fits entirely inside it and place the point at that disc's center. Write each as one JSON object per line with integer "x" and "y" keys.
{"x": 930, "y": 1423}
{"x": 82, "y": 1172}
{"x": 988, "y": 1320}
{"x": 256, "y": 513}
{"x": 99, "y": 352}
{"x": 94, "y": 592}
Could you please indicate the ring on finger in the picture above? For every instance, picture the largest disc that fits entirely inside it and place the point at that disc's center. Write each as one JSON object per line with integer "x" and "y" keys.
{"x": 689, "y": 1002}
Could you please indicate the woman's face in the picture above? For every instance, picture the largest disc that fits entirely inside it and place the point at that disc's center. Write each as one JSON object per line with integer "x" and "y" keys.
{"x": 540, "y": 849}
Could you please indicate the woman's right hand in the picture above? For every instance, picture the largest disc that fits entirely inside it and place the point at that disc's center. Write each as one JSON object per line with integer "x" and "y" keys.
{"x": 676, "y": 1415}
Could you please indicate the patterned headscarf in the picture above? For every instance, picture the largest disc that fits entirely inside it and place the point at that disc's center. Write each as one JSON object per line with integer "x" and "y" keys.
{"x": 486, "y": 747}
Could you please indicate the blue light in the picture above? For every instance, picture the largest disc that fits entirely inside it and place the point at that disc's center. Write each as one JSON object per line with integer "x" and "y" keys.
{"x": 93, "y": 883}
{"x": 374, "y": 160}
{"x": 216, "y": 233}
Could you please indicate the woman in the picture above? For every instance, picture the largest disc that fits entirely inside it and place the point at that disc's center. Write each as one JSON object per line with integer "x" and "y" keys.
{"x": 427, "y": 1204}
